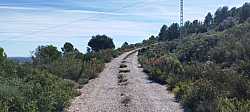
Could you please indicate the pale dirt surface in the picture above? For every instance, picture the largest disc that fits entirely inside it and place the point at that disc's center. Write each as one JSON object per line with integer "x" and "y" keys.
{"x": 136, "y": 94}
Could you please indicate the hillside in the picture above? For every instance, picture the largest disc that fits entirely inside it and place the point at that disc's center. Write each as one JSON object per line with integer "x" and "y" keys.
{"x": 21, "y": 59}
{"x": 208, "y": 70}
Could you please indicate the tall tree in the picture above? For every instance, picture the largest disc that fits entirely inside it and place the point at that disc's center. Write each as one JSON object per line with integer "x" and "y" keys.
{"x": 233, "y": 12}
{"x": 124, "y": 45}
{"x": 152, "y": 38}
{"x": 173, "y": 32}
{"x": 220, "y": 15}
{"x": 208, "y": 20}
{"x": 187, "y": 27}
{"x": 88, "y": 50}
{"x": 244, "y": 12}
{"x": 163, "y": 33}
{"x": 46, "y": 55}
{"x": 68, "y": 48}
{"x": 100, "y": 42}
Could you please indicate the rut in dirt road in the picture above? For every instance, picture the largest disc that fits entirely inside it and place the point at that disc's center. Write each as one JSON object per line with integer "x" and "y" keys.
{"x": 123, "y": 87}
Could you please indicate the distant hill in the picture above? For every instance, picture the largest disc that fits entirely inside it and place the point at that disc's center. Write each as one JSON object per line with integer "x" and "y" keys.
{"x": 21, "y": 59}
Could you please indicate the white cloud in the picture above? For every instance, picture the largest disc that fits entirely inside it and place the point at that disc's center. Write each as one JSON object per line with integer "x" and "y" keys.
{"x": 16, "y": 8}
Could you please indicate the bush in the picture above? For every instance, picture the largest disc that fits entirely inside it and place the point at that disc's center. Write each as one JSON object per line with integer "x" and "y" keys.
{"x": 232, "y": 105}
{"x": 200, "y": 96}
{"x": 101, "y": 42}
{"x": 181, "y": 88}
{"x": 163, "y": 69}
{"x": 37, "y": 91}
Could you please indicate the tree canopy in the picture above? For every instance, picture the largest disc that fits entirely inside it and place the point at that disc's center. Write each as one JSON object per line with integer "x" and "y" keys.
{"x": 101, "y": 42}
{"x": 67, "y": 48}
{"x": 124, "y": 45}
{"x": 222, "y": 19}
{"x": 169, "y": 33}
{"x": 220, "y": 15}
{"x": 244, "y": 12}
{"x": 46, "y": 54}
{"x": 208, "y": 20}
{"x": 163, "y": 31}
{"x": 2, "y": 54}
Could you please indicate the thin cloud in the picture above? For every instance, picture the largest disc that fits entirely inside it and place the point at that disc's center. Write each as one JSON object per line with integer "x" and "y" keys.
{"x": 27, "y": 24}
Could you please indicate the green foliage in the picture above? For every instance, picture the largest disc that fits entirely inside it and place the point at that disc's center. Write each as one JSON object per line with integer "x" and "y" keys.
{"x": 200, "y": 96}
{"x": 101, "y": 42}
{"x": 220, "y": 15}
{"x": 48, "y": 84}
{"x": 208, "y": 72}
{"x": 244, "y": 68}
{"x": 24, "y": 89}
{"x": 163, "y": 32}
{"x": 208, "y": 22}
{"x": 194, "y": 27}
{"x": 181, "y": 88}
{"x": 232, "y": 105}
{"x": 102, "y": 56}
{"x": 45, "y": 55}
{"x": 223, "y": 19}
{"x": 68, "y": 67}
{"x": 68, "y": 48}
{"x": 168, "y": 34}
{"x": 2, "y": 54}
{"x": 72, "y": 64}
{"x": 161, "y": 67}
{"x": 125, "y": 45}
{"x": 244, "y": 12}
{"x": 196, "y": 47}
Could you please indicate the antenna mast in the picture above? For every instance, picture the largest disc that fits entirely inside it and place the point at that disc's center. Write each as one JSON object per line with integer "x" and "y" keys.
{"x": 181, "y": 18}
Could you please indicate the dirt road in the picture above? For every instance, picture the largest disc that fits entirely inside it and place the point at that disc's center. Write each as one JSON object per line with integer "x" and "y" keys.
{"x": 124, "y": 89}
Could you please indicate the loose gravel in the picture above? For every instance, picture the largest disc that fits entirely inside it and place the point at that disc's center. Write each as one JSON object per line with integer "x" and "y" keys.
{"x": 135, "y": 93}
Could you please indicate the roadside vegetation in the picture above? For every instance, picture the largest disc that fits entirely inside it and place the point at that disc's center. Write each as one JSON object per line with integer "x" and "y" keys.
{"x": 52, "y": 78}
{"x": 207, "y": 69}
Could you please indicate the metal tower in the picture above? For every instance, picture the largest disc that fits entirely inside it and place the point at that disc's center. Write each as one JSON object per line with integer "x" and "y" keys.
{"x": 181, "y": 18}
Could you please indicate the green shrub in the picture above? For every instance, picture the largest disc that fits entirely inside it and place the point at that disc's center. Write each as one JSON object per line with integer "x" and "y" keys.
{"x": 163, "y": 69}
{"x": 211, "y": 73}
{"x": 181, "y": 88}
{"x": 244, "y": 68}
{"x": 30, "y": 90}
{"x": 200, "y": 97}
{"x": 232, "y": 105}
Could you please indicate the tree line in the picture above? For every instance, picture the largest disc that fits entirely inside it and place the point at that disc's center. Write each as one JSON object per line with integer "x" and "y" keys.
{"x": 222, "y": 19}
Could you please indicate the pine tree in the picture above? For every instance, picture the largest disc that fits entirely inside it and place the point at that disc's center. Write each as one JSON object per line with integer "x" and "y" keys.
{"x": 208, "y": 20}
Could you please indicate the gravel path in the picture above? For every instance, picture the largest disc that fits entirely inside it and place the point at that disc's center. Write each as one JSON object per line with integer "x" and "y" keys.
{"x": 124, "y": 89}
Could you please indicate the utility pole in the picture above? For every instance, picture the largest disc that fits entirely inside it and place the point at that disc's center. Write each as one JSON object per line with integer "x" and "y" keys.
{"x": 181, "y": 18}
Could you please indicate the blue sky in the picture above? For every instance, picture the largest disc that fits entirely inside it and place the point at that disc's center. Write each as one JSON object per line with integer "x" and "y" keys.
{"x": 26, "y": 24}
